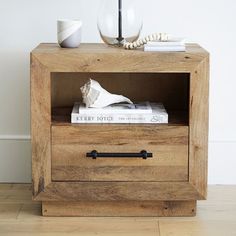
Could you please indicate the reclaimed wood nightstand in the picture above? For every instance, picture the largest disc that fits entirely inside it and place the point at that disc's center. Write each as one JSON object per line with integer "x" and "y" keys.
{"x": 71, "y": 184}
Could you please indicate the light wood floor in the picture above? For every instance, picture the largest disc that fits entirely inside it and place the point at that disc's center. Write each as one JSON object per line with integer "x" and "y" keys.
{"x": 20, "y": 216}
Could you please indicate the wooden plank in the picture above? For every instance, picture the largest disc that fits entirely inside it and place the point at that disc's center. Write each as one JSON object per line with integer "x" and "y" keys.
{"x": 119, "y": 191}
{"x": 102, "y": 58}
{"x": 120, "y": 173}
{"x": 40, "y": 126}
{"x": 145, "y": 208}
{"x": 196, "y": 228}
{"x": 67, "y": 226}
{"x": 198, "y": 144}
{"x": 9, "y": 211}
{"x": 169, "y": 146}
{"x": 120, "y": 135}
{"x": 30, "y": 212}
{"x": 16, "y": 194}
{"x": 6, "y": 187}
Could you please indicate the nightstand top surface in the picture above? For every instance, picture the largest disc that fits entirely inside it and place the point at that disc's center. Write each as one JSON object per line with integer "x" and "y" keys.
{"x": 92, "y": 57}
{"x": 103, "y": 48}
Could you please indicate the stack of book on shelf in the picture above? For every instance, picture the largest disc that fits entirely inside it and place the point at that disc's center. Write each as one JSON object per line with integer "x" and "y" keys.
{"x": 174, "y": 45}
{"x": 142, "y": 113}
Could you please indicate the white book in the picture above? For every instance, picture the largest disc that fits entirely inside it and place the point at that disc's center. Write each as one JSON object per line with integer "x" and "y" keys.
{"x": 158, "y": 116}
{"x": 174, "y": 42}
{"x": 165, "y": 49}
{"x": 121, "y": 108}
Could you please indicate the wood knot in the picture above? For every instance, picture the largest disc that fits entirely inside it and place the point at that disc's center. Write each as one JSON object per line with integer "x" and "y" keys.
{"x": 197, "y": 148}
{"x": 191, "y": 103}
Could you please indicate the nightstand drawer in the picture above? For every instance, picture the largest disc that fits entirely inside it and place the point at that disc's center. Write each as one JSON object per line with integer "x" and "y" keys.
{"x": 168, "y": 145}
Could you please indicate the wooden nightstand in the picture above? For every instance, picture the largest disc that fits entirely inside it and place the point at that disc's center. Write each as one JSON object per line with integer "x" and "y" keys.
{"x": 70, "y": 184}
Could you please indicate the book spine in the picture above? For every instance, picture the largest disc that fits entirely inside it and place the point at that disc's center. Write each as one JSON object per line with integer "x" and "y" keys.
{"x": 164, "y": 49}
{"x": 165, "y": 44}
{"x": 119, "y": 119}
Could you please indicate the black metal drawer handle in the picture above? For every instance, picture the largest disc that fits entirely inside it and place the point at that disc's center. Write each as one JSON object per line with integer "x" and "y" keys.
{"x": 143, "y": 154}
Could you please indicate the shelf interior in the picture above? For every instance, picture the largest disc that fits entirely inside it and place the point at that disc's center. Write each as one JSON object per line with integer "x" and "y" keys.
{"x": 171, "y": 89}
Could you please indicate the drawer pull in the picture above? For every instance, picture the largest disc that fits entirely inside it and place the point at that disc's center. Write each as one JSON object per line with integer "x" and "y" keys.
{"x": 143, "y": 154}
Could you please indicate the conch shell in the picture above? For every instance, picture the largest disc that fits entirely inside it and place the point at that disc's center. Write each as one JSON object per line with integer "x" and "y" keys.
{"x": 95, "y": 96}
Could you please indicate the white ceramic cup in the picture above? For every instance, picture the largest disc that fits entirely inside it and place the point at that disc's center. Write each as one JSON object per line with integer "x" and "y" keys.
{"x": 69, "y": 33}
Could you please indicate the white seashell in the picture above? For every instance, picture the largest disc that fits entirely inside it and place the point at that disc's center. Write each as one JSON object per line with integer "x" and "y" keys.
{"x": 95, "y": 96}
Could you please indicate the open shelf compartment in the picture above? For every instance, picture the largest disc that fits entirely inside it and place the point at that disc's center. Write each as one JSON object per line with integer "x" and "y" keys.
{"x": 171, "y": 89}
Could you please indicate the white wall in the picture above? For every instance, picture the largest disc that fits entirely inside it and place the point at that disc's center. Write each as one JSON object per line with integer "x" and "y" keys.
{"x": 26, "y": 23}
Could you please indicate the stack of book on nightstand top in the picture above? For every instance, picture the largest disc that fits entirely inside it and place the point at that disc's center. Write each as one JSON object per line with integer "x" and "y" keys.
{"x": 122, "y": 113}
{"x": 174, "y": 45}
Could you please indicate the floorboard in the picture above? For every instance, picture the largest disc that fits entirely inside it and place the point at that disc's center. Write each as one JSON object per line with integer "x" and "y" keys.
{"x": 19, "y": 216}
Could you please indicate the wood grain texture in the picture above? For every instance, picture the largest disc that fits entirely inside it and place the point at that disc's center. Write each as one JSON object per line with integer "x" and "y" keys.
{"x": 169, "y": 145}
{"x": 9, "y": 211}
{"x": 179, "y": 79}
{"x": 20, "y": 216}
{"x": 119, "y": 173}
{"x": 103, "y": 58}
{"x": 145, "y": 208}
{"x": 78, "y": 227}
{"x": 15, "y": 194}
{"x": 119, "y": 191}
{"x": 198, "y": 228}
{"x": 40, "y": 126}
{"x": 198, "y": 146}
{"x": 119, "y": 135}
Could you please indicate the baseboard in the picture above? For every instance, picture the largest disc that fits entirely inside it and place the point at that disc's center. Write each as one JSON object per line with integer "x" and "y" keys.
{"x": 15, "y": 161}
{"x": 222, "y": 162}
{"x": 15, "y": 137}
